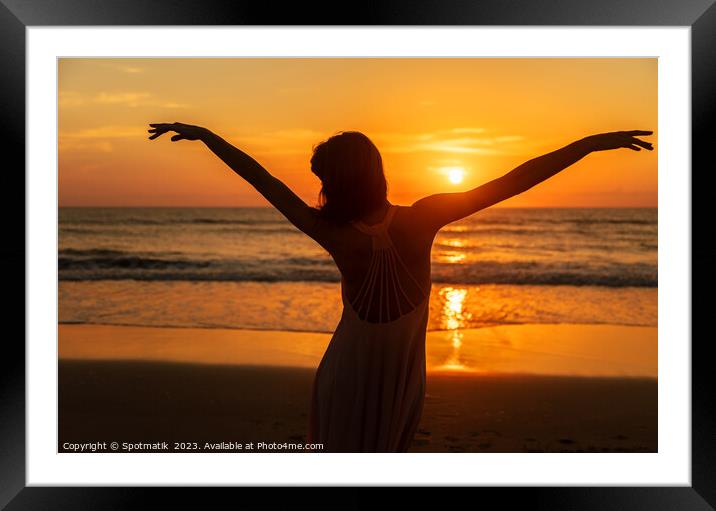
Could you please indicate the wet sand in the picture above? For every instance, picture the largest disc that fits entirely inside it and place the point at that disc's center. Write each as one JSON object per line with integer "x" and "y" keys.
{"x": 564, "y": 349}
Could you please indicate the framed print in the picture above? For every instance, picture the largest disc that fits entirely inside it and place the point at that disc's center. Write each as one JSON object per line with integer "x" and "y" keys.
{"x": 181, "y": 329}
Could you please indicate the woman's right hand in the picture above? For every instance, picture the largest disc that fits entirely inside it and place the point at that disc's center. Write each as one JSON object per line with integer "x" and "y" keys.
{"x": 184, "y": 131}
{"x": 617, "y": 140}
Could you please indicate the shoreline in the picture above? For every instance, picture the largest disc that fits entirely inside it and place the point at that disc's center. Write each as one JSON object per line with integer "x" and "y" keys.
{"x": 543, "y": 349}
{"x": 242, "y": 328}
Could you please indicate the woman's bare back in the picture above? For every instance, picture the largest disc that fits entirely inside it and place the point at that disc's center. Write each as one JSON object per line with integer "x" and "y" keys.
{"x": 385, "y": 265}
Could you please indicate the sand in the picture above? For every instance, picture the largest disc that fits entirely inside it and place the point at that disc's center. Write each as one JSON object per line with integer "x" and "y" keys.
{"x": 104, "y": 401}
{"x": 527, "y": 388}
{"x": 564, "y": 349}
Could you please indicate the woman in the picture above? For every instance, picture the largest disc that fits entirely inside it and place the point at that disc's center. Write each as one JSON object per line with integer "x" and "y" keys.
{"x": 368, "y": 391}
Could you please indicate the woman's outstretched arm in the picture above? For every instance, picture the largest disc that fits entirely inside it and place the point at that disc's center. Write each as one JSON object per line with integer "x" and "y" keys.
{"x": 274, "y": 190}
{"x": 436, "y": 211}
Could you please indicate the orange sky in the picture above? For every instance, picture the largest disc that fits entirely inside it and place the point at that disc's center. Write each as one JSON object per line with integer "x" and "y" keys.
{"x": 425, "y": 115}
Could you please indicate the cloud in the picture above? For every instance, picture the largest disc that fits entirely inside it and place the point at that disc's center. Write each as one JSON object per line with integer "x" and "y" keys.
{"x": 124, "y": 68}
{"x": 464, "y": 140}
{"x": 97, "y": 139}
{"x": 132, "y": 99}
{"x": 456, "y": 142}
{"x": 113, "y": 131}
{"x": 69, "y": 99}
{"x": 132, "y": 70}
{"x": 73, "y": 145}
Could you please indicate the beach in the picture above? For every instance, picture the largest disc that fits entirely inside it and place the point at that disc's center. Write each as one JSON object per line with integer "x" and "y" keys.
{"x": 205, "y": 326}
{"x": 588, "y": 388}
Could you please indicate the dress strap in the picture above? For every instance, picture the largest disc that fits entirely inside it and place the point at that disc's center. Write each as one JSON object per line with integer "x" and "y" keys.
{"x": 382, "y": 293}
{"x": 389, "y": 215}
{"x": 379, "y": 227}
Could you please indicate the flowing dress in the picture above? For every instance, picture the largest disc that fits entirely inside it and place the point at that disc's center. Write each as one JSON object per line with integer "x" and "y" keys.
{"x": 369, "y": 388}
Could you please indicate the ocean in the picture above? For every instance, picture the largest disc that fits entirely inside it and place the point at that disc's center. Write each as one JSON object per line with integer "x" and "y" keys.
{"x": 250, "y": 268}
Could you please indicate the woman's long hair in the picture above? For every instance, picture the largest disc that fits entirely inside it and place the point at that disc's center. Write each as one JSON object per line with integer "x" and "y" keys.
{"x": 351, "y": 172}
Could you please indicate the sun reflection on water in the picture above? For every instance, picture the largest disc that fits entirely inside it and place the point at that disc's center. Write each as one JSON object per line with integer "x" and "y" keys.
{"x": 452, "y": 257}
{"x": 455, "y": 242}
{"x": 452, "y": 250}
{"x": 454, "y": 317}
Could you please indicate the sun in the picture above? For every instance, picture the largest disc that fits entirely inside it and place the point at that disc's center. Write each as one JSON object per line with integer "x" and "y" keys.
{"x": 455, "y": 174}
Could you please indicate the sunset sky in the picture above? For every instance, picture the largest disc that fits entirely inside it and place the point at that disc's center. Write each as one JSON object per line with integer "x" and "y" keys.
{"x": 440, "y": 124}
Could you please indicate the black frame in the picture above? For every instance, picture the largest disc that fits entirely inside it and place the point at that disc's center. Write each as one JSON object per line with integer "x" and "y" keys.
{"x": 699, "y": 15}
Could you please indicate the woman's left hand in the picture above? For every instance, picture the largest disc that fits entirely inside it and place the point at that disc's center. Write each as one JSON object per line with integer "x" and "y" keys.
{"x": 619, "y": 139}
{"x": 184, "y": 131}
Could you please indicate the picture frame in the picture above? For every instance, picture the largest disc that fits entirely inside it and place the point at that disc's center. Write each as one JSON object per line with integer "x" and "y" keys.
{"x": 16, "y": 16}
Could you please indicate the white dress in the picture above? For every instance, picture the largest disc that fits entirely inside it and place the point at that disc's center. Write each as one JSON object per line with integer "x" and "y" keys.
{"x": 369, "y": 387}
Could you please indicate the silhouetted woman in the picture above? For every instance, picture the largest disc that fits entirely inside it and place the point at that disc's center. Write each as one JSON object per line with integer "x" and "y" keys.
{"x": 369, "y": 388}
